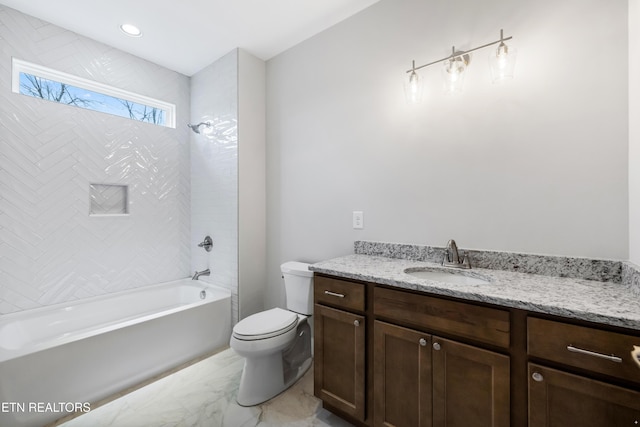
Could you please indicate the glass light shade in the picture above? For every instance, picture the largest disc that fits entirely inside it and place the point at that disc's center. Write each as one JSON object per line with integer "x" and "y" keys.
{"x": 453, "y": 72}
{"x": 413, "y": 88}
{"x": 503, "y": 63}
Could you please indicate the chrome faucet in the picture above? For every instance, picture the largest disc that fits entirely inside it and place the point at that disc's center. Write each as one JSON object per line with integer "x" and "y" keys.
{"x": 452, "y": 258}
{"x": 201, "y": 273}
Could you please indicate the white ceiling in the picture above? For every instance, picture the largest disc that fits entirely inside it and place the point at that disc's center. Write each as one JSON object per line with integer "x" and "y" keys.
{"x": 188, "y": 35}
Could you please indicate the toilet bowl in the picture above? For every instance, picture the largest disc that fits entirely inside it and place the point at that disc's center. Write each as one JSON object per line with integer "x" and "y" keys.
{"x": 276, "y": 343}
{"x": 265, "y": 332}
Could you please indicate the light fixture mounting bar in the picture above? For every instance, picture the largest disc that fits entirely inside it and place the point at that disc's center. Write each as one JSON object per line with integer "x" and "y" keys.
{"x": 458, "y": 54}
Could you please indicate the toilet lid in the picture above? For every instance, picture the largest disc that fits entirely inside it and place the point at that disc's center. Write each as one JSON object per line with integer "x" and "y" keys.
{"x": 265, "y": 324}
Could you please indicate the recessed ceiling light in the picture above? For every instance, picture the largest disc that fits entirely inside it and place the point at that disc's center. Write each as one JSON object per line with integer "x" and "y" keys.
{"x": 131, "y": 30}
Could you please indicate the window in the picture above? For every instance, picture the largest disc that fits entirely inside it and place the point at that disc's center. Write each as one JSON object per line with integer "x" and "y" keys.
{"x": 45, "y": 83}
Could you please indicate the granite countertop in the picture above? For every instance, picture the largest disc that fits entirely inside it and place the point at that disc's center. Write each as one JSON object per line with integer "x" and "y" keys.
{"x": 606, "y": 302}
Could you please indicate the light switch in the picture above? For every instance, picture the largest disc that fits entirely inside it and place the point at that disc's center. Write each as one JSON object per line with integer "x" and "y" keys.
{"x": 358, "y": 220}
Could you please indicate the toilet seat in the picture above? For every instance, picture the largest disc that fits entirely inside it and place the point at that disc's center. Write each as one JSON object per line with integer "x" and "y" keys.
{"x": 266, "y": 324}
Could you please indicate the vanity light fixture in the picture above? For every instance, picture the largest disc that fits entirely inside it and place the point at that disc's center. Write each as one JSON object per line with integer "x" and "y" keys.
{"x": 413, "y": 86}
{"x": 502, "y": 61}
{"x": 454, "y": 71}
{"x": 131, "y": 30}
{"x": 455, "y": 66}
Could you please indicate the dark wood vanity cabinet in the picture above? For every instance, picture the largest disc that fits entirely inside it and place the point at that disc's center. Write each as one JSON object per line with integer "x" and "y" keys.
{"x": 402, "y": 372}
{"x": 397, "y": 358}
{"x": 422, "y": 379}
{"x": 559, "y": 397}
{"x": 470, "y": 386}
{"x": 415, "y": 377}
{"x": 340, "y": 345}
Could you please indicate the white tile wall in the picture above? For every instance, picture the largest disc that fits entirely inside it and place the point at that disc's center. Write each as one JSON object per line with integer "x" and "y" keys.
{"x": 108, "y": 199}
{"x": 214, "y": 174}
{"x": 50, "y": 249}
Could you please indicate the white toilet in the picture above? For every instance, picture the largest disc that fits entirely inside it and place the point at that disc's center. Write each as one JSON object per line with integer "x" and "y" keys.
{"x": 276, "y": 343}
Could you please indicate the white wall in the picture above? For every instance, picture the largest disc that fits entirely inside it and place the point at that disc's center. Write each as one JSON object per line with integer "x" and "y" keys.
{"x": 51, "y": 251}
{"x": 634, "y": 131}
{"x": 228, "y": 177}
{"x": 251, "y": 183}
{"x": 214, "y": 173}
{"x": 535, "y": 165}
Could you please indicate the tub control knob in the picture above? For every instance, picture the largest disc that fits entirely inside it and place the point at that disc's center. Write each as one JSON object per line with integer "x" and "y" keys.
{"x": 207, "y": 244}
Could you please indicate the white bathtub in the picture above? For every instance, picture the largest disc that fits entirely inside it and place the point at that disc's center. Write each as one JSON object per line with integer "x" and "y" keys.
{"x": 57, "y": 358}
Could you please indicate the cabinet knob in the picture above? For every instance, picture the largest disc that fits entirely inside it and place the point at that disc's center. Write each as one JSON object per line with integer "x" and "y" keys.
{"x": 356, "y": 323}
{"x": 635, "y": 355}
{"x": 537, "y": 376}
{"x": 436, "y": 346}
{"x": 423, "y": 342}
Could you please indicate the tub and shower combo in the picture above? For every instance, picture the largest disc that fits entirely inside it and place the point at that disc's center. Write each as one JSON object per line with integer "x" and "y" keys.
{"x": 59, "y": 359}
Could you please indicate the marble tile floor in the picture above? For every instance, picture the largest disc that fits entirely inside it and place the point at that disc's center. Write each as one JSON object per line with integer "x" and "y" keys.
{"x": 203, "y": 395}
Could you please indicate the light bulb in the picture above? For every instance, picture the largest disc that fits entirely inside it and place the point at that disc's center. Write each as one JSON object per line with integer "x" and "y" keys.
{"x": 413, "y": 84}
{"x": 502, "y": 54}
{"x": 454, "y": 74}
{"x": 413, "y": 88}
{"x": 502, "y": 63}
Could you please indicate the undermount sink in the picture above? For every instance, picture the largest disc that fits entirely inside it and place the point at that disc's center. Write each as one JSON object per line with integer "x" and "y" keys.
{"x": 456, "y": 277}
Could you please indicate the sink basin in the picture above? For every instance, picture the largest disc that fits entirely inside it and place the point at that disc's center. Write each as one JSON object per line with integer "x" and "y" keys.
{"x": 456, "y": 277}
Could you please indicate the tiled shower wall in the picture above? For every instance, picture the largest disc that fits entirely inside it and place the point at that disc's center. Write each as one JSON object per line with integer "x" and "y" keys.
{"x": 214, "y": 173}
{"x": 51, "y": 250}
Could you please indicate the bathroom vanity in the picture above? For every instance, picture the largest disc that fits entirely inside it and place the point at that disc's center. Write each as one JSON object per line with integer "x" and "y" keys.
{"x": 394, "y": 349}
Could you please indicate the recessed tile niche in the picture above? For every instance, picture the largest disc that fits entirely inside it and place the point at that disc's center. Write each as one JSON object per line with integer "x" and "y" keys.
{"x": 108, "y": 199}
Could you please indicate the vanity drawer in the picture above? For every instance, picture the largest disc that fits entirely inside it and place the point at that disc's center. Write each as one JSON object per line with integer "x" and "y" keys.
{"x": 339, "y": 293}
{"x": 438, "y": 315}
{"x": 600, "y": 351}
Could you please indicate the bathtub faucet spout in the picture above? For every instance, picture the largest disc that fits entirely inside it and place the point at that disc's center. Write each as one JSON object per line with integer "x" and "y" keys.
{"x": 201, "y": 273}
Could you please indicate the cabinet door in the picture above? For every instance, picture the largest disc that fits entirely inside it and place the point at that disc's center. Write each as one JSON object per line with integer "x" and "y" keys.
{"x": 339, "y": 364}
{"x": 557, "y": 398}
{"x": 402, "y": 371}
{"x": 470, "y": 386}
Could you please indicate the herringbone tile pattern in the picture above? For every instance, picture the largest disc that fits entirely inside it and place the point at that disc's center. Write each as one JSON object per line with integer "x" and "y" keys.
{"x": 214, "y": 174}
{"x": 51, "y": 250}
{"x": 108, "y": 199}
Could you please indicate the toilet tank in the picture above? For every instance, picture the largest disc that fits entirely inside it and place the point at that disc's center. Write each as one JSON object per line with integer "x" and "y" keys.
{"x": 298, "y": 286}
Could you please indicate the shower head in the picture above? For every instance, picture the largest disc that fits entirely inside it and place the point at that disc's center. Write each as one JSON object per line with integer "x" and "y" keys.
{"x": 196, "y": 128}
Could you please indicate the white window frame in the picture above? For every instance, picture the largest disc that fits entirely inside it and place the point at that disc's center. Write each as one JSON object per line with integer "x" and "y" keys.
{"x": 20, "y": 66}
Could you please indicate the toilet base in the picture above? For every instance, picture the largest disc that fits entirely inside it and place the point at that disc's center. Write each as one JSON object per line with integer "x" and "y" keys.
{"x": 268, "y": 384}
{"x": 267, "y": 376}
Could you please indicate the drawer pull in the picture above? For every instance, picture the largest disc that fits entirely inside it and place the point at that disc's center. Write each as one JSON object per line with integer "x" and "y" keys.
{"x": 334, "y": 294}
{"x": 610, "y": 358}
{"x": 423, "y": 342}
{"x": 537, "y": 376}
{"x": 356, "y": 323}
